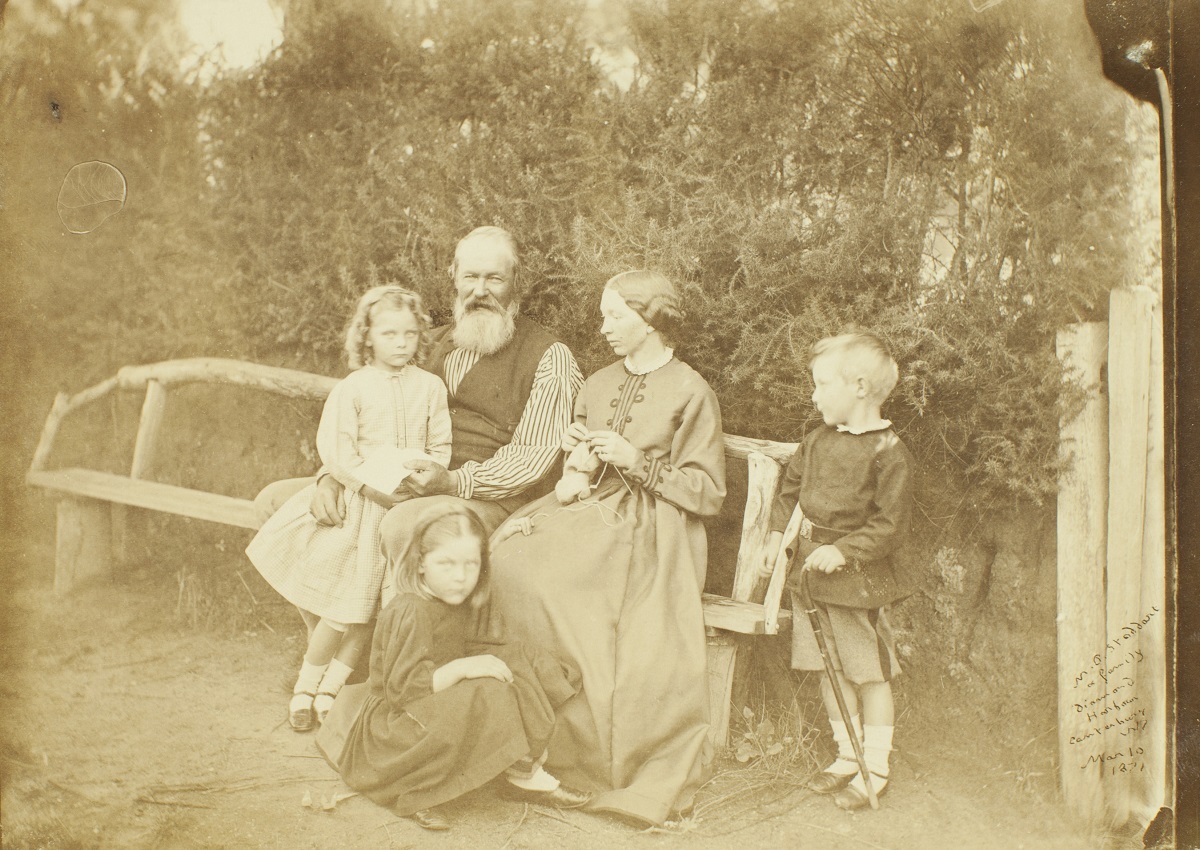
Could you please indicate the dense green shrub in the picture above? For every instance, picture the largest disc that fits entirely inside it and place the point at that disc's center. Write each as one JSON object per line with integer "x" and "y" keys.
{"x": 791, "y": 165}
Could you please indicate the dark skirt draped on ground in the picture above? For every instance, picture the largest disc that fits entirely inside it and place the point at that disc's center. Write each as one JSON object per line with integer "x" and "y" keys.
{"x": 404, "y": 746}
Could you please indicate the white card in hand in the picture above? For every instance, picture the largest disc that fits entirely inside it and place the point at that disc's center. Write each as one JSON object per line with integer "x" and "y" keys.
{"x": 386, "y": 467}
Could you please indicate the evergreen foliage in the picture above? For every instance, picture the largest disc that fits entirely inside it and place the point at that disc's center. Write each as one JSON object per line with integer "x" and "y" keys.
{"x": 956, "y": 181}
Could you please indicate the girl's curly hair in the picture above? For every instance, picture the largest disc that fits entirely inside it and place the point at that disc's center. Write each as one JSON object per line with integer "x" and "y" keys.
{"x": 375, "y": 300}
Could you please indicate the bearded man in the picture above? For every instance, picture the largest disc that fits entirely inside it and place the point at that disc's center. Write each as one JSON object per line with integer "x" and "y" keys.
{"x": 512, "y": 389}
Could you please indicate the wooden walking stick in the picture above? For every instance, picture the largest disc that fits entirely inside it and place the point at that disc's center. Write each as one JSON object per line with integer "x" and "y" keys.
{"x": 815, "y": 621}
{"x": 790, "y": 533}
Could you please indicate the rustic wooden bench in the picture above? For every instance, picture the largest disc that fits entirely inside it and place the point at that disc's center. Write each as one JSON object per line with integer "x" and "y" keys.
{"x": 92, "y": 502}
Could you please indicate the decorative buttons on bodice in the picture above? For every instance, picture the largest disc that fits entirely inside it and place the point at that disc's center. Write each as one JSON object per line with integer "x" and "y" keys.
{"x": 630, "y": 391}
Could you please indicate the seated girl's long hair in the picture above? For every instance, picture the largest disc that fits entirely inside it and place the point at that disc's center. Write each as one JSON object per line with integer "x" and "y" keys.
{"x": 435, "y": 527}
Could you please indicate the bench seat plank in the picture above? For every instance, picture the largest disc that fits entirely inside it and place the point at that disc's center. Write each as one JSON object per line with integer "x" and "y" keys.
{"x": 149, "y": 494}
{"x": 88, "y": 529}
{"x": 746, "y": 618}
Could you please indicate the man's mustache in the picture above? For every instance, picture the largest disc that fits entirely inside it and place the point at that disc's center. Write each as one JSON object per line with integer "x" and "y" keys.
{"x": 487, "y": 302}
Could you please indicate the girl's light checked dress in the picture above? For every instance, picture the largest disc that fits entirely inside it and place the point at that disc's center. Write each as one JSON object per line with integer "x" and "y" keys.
{"x": 336, "y": 572}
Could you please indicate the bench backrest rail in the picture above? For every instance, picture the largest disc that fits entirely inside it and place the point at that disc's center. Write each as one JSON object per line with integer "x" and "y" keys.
{"x": 157, "y": 377}
{"x": 763, "y": 459}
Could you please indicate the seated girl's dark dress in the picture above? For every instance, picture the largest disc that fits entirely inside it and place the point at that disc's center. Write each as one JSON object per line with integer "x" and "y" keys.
{"x": 410, "y": 748}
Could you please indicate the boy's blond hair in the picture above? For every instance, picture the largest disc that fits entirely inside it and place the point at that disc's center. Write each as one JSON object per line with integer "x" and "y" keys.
{"x": 861, "y": 355}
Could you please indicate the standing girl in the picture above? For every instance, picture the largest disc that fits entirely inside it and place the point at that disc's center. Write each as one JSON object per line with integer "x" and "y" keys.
{"x": 333, "y": 574}
{"x": 438, "y": 717}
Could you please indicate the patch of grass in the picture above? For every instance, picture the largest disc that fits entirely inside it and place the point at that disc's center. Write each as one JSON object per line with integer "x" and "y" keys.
{"x": 229, "y": 597}
{"x": 774, "y": 748}
{"x": 49, "y": 831}
{"x": 37, "y": 817}
{"x": 779, "y": 740}
{"x": 170, "y": 828}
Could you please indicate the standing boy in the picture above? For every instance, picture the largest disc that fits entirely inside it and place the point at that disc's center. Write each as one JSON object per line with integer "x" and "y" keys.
{"x": 852, "y": 478}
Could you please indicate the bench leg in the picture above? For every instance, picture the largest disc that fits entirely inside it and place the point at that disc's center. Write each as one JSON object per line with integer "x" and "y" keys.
{"x": 722, "y": 659}
{"x": 119, "y": 533}
{"x": 83, "y": 548}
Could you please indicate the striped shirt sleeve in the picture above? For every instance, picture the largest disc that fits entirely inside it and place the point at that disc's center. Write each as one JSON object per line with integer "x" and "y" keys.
{"x": 534, "y": 447}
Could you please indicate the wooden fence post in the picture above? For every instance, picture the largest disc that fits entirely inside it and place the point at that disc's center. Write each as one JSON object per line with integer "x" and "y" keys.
{"x": 1130, "y": 329}
{"x": 1082, "y": 518}
{"x": 1157, "y": 786}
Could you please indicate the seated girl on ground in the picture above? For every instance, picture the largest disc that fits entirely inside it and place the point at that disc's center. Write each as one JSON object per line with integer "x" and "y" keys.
{"x": 441, "y": 713}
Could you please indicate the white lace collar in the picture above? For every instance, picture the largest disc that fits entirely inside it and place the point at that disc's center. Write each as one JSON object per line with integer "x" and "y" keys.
{"x": 658, "y": 364}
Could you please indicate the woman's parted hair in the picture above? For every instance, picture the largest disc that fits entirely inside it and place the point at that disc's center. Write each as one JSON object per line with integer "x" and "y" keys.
{"x": 436, "y": 527}
{"x": 653, "y": 297}
{"x": 374, "y": 301}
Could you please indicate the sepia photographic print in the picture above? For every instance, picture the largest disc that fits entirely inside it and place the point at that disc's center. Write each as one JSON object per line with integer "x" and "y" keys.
{"x": 590, "y": 423}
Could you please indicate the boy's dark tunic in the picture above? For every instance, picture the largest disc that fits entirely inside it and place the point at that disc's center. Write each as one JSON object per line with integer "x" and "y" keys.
{"x": 410, "y": 748}
{"x": 856, "y": 489}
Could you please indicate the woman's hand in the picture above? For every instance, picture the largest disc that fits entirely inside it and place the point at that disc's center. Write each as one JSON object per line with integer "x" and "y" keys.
{"x": 574, "y": 434}
{"x": 827, "y": 559}
{"x": 614, "y": 449}
{"x": 471, "y": 667}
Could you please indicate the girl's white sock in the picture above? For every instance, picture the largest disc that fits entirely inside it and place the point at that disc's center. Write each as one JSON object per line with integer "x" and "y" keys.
{"x": 309, "y": 678}
{"x": 335, "y": 676}
{"x": 539, "y": 781}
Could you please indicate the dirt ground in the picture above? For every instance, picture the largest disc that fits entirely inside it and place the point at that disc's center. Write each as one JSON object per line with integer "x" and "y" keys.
{"x": 133, "y": 720}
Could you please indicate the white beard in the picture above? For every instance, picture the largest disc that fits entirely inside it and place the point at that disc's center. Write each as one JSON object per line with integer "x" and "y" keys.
{"x": 483, "y": 330}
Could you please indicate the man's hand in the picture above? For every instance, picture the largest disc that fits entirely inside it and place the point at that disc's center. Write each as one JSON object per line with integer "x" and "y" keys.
{"x": 767, "y": 567}
{"x": 825, "y": 558}
{"x": 574, "y": 434}
{"x": 328, "y": 503}
{"x": 430, "y": 478}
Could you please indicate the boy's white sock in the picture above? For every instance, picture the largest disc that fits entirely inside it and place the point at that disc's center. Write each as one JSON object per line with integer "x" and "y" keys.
{"x": 846, "y": 762}
{"x": 877, "y": 745}
{"x": 309, "y": 678}
{"x": 539, "y": 781}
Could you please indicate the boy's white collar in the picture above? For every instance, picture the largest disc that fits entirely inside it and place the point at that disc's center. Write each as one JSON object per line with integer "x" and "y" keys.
{"x": 880, "y": 425}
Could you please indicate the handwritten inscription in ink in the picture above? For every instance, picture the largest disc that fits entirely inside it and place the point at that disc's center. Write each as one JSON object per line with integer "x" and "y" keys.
{"x": 1107, "y": 700}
